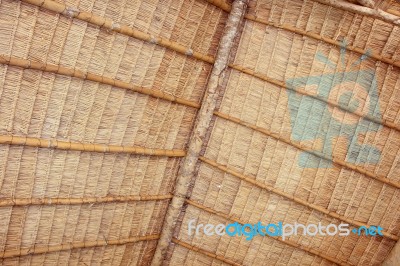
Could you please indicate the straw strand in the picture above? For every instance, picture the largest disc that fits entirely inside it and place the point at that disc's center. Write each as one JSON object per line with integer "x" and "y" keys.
{"x": 69, "y": 246}
{"x": 74, "y": 201}
{"x": 122, "y": 29}
{"x": 71, "y": 72}
{"x": 269, "y": 188}
{"x": 288, "y": 242}
{"x": 371, "y": 53}
{"x": 390, "y": 16}
{"x": 204, "y": 252}
{"x": 282, "y": 84}
{"x": 87, "y": 147}
{"x": 301, "y": 147}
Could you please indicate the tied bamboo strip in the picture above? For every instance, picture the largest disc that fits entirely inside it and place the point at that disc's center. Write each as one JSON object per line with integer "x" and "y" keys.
{"x": 390, "y": 16}
{"x": 74, "y": 201}
{"x": 282, "y": 84}
{"x": 302, "y": 147}
{"x": 69, "y": 246}
{"x": 287, "y": 242}
{"x": 269, "y": 188}
{"x": 362, "y": 10}
{"x": 88, "y": 147}
{"x": 71, "y": 72}
{"x": 114, "y": 26}
{"x": 204, "y": 252}
{"x": 371, "y": 53}
{"x": 186, "y": 173}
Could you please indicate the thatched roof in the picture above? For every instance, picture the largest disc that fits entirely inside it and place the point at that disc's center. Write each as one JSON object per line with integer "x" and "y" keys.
{"x": 121, "y": 121}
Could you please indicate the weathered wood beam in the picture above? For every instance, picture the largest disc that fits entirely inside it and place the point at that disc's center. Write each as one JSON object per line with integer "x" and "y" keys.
{"x": 186, "y": 172}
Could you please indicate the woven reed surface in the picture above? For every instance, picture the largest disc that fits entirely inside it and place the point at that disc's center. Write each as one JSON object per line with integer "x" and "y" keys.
{"x": 46, "y": 105}
{"x": 281, "y": 55}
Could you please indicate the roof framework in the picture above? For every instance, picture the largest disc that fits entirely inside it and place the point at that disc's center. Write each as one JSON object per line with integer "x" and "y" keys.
{"x": 122, "y": 120}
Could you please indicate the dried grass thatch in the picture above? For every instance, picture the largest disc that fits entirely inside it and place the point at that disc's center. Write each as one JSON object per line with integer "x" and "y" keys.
{"x": 120, "y": 121}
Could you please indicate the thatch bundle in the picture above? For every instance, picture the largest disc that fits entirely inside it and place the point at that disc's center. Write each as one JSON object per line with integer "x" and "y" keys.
{"x": 122, "y": 121}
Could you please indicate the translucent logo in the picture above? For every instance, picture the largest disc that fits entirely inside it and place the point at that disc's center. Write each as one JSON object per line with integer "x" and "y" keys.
{"x": 313, "y": 119}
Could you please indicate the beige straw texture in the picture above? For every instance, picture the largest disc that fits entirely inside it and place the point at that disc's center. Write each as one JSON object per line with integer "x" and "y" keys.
{"x": 78, "y": 100}
{"x": 102, "y": 161}
{"x": 250, "y": 171}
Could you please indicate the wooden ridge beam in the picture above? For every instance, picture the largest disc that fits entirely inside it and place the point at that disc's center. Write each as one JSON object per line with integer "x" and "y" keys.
{"x": 186, "y": 173}
{"x": 372, "y": 54}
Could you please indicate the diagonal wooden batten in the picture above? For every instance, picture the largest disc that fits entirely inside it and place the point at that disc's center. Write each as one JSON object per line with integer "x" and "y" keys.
{"x": 72, "y": 72}
{"x": 282, "y": 84}
{"x": 253, "y": 181}
{"x": 287, "y": 242}
{"x": 126, "y": 30}
{"x": 362, "y": 10}
{"x": 75, "y": 201}
{"x": 186, "y": 172}
{"x": 120, "y": 28}
{"x": 204, "y": 252}
{"x": 390, "y": 16}
{"x": 70, "y": 246}
{"x": 302, "y": 147}
{"x": 87, "y": 147}
{"x": 371, "y": 53}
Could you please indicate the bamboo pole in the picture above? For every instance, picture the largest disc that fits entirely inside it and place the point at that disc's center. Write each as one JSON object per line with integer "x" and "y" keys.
{"x": 282, "y": 84}
{"x": 286, "y": 241}
{"x": 223, "y": 5}
{"x": 269, "y": 188}
{"x": 371, "y": 53}
{"x": 204, "y": 252}
{"x": 302, "y": 147}
{"x": 362, "y": 10}
{"x": 186, "y": 175}
{"x": 69, "y": 246}
{"x": 71, "y": 72}
{"x": 389, "y": 16}
{"x": 109, "y": 24}
{"x": 88, "y": 147}
{"x": 74, "y": 201}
